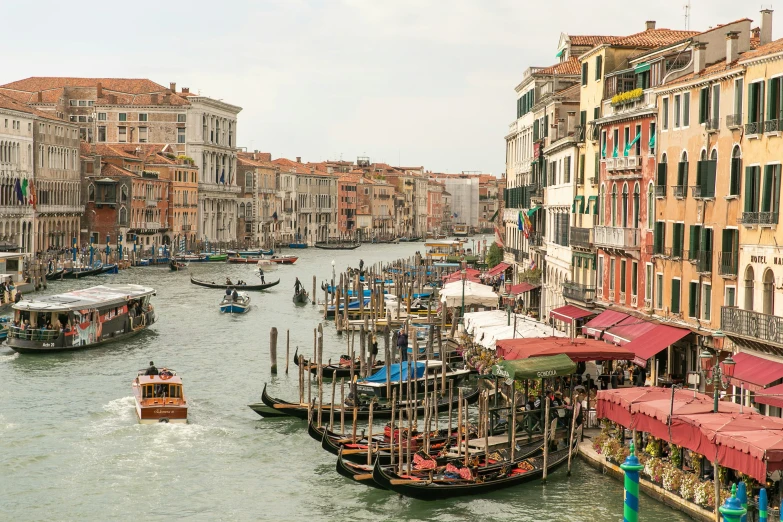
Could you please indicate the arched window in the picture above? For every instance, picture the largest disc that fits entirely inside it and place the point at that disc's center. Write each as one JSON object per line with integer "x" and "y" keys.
{"x": 123, "y": 194}
{"x": 703, "y": 155}
{"x": 650, "y": 206}
{"x": 123, "y": 215}
{"x": 749, "y": 288}
{"x": 624, "y": 210}
{"x": 614, "y": 205}
{"x": 602, "y": 205}
{"x": 91, "y": 192}
{"x": 735, "y": 171}
{"x": 635, "y": 219}
{"x": 768, "y": 301}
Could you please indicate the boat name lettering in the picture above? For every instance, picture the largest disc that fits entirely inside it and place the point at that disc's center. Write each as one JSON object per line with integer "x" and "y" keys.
{"x": 547, "y": 373}
{"x": 163, "y": 411}
{"x": 48, "y": 345}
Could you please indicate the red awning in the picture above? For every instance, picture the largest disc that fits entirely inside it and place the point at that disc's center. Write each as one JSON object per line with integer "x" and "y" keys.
{"x": 602, "y": 322}
{"x": 627, "y": 330}
{"x": 756, "y": 372}
{"x": 570, "y": 313}
{"x": 772, "y": 396}
{"x": 497, "y": 269}
{"x": 521, "y": 288}
{"x": 577, "y": 349}
{"x": 471, "y": 274}
{"x": 652, "y": 342}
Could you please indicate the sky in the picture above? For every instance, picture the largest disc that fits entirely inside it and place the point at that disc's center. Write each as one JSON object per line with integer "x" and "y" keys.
{"x": 405, "y": 82}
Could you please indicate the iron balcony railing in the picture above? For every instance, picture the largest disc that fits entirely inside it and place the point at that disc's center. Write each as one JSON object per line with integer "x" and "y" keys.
{"x": 617, "y": 237}
{"x": 660, "y": 191}
{"x": 773, "y": 126}
{"x": 581, "y": 237}
{"x": 728, "y": 263}
{"x": 759, "y": 218}
{"x": 578, "y": 292}
{"x": 701, "y": 192}
{"x": 579, "y": 133}
{"x": 593, "y": 180}
{"x": 754, "y": 127}
{"x": 752, "y": 325}
{"x": 703, "y": 260}
{"x": 712, "y": 125}
{"x": 680, "y": 191}
{"x": 535, "y": 240}
{"x": 734, "y": 121}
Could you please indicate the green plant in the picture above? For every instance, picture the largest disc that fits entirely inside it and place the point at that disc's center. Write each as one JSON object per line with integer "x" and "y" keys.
{"x": 672, "y": 478}
{"x": 675, "y": 454}
{"x": 688, "y": 486}
{"x": 653, "y": 447}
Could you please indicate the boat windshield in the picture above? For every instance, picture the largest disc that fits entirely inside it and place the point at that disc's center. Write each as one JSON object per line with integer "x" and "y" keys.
{"x": 151, "y": 391}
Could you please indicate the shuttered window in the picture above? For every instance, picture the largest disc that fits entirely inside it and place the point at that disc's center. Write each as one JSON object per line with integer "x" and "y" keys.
{"x": 584, "y": 73}
{"x": 659, "y": 237}
{"x": 694, "y": 241}
{"x": 704, "y": 104}
{"x": 678, "y": 231}
{"x": 734, "y": 177}
{"x": 693, "y": 298}
{"x": 752, "y": 188}
{"x": 661, "y": 180}
{"x": 675, "y": 301}
{"x": 598, "y": 67}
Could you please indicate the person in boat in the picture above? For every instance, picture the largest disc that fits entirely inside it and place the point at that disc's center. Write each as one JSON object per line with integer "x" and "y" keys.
{"x": 228, "y": 290}
{"x": 234, "y": 295}
{"x": 152, "y": 370}
{"x": 261, "y": 273}
{"x": 297, "y": 285}
{"x": 165, "y": 372}
{"x": 18, "y": 297}
{"x": 228, "y": 281}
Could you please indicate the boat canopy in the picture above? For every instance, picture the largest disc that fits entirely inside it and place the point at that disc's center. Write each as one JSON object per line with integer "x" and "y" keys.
{"x": 394, "y": 375}
{"x": 95, "y": 297}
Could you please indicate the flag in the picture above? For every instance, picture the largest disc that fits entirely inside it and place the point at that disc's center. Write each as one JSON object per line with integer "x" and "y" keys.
{"x": 498, "y": 237}
{"x": 223, "y": 177}
{"x": 18, "y": 190}
{"x": 528, "y": 225}
{"x": 32, "y": 194}
{"x": 520, "y": 224}
{"x": 24, "y": 187}
{"x": 274, "y": 216}
{"x": 532, "y": 264}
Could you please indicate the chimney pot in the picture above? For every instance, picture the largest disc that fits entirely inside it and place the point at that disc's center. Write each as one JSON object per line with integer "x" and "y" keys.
{"x": 173, "y": 86}
{"x": 649, "y": 25}
{"x": 732, "y": 46}
{"x": 699, "y": 56}
{"x": 40, "y": 96}
{"x": 765, "y": 35}
{"x": 299, "y": 159}
{"x": 186, "y": 90}
{"x": 99, "y": 90}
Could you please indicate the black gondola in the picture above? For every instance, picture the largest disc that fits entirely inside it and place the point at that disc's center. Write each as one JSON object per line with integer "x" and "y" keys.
{"x": 338, "y": 246}
{"x": 177, "y": 266}
{"x": 70, "y": 273}
{"x": 336, "y": 371}
{"x": 238, "y": 287}
{"x": 301, "y": 297}
{"x": 57, "y": 274}
{"x": 484, "y": 480}
{"x": 271, "y": 407}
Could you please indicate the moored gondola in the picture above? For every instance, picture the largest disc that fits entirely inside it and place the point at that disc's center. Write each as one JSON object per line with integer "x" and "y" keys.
{"x": 56, "y": 274}
{"x": 336, "y": 371}
{"x": 337, "y": 246}
{"x": 77, "y": 273}
{"x": 223, "y": 286}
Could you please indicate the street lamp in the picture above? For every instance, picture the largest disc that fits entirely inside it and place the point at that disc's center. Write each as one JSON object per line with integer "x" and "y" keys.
{"x": 463, "y": 272}
{"x": 722, "y": 372}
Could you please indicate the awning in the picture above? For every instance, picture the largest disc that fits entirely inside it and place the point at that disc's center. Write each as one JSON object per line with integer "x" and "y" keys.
{"x": 533, "y": 210}
{"x": 560, "y": 52}
{"x": 494, "y": 215}
{"x": 576, "y": 349}
{"x": 602, "y": 322}
{"x": 579, "y": 202}
{"x": 756, "y": 372}
{"x": 627, "y": 330}
{"x": 535, "y": 368}
{"x": 498, "y": 269}
{"x": 570, "y": 313}
{"x": 521, "y": 288}
{"x": 772, "y": 396}
{"x": 594, "y": 201}
{"x": 652, "y": 342}
{"x": 642, "y": 67}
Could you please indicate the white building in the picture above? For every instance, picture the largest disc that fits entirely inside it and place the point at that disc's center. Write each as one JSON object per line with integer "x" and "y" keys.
{"x": 464, "y": 192}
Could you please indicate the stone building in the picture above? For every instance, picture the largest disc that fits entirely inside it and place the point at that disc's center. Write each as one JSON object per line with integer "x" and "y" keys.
{"x": 257, "y": 201}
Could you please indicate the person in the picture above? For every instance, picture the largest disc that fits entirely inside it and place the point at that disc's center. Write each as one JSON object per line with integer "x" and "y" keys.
{"x": 228, "y": 281}
{"x": 361, "y": 266}
{"x": 615, "y": 380}
{"x": 402, "y": 345}
{"x": 234, "y": 295}
{"x": 151, "y": 370}
{"x": 297, "y": 285}
{"x": 373, "y": 350}
{"x": 261, "y": 274}
{"x": 228, "y": 290}
{"x": 165, "y": 372}
{"x": 18, "y": 297}
{"x": 641, "y": 377}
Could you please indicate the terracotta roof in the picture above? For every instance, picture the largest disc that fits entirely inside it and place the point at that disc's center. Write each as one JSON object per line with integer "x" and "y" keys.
{"x": 300, "y": 168}
{"x": 708, "y": 72}
{"x": 653, "y": 38}
{"x": 9, "y": 103}
{"x": 590, "y": 40}
{"x": 246, "y": 159}
{"x": 102, "y": 149}
{"x": 755, "y": 42}
{"x": 349, "y": 178}
{"x": 763, "y": 50}
{"x": 570, "y": 66}
{"x": 572, "y": 91}
{"x": 107, "y": 169}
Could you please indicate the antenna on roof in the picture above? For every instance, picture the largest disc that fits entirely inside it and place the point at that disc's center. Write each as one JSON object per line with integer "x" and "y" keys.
{"x": 687, "y": 8}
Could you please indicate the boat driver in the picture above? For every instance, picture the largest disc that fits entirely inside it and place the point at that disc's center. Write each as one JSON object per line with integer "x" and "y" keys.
{"x": 151, "y": 370}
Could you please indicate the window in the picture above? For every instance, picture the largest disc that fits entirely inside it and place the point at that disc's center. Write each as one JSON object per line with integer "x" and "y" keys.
{"x": 736, "y": 171}
{"x": 749, "y": 288}
{"x": 651, "y": 141}
{"x": 658, "y": 291}
{"x": 627, "y": 140}
{"x": 123, "y": 134}
{"x": 82, "y": 119}
{"x": 180, "y": 135}
{"x": 770, "y": 199}
{"x": 665, "y": 114}
{"x": 72, "y": 103}
{"x": 678, "y": 238}
{"x": 729, "y": 251}
{"x": 91, "y": 193}
{"x": 706, "y": 171}
{"x": 596, "y": 113}
{"x": 738, "y": 88}
{"x": 615, "y": 142}
{"x": 567, "y": 169}
{"x": 715, "y": 101}
{"x": 584, "y": 73}
{"x": 73, "y": 118}
{"x": 102, "y": 133}
{"x": 600, "y": 272}
{"x": 598, "y": 67}
{"x": 659, "y": 237}
{"x": 756, "y": 103}
{"x": 682, "y": 174}
{"x": 612, "y": 274}
{"x": 704, "y": 104}
{"x": 660, "y": 179}
{"x": 603, "y": 147}
{"x": 752, "y": 188}
{"x": 122, "y": 116}
{"x": 693, "y": 299}
{"x": 706, "y": 301}
{"x": 650, "y": 206}
{"x": 82, "y": 103}
{"x": 677, "y": 109}
{"x": 648, "y": 283}
{"x": 731, "y": 296}
{"x": 638, "y": 139}
{"x": 622, "y": 276}
{"x": 694, "y": 241}
{"x": 634, "y": 278}
{"x": 142, "y": 117}
{"x": 686, "y": 109}
{"x": 675, "y": 301}
{"x": 181, "y": 118}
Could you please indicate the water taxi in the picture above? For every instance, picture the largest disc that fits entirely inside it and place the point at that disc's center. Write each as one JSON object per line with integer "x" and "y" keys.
{"x": 441, "y": 249}
{"x": 81, "y": 318}
{"x": 240, "y": 305}
{"x": 159, "y": 398}
{"x": 461, "y": 230}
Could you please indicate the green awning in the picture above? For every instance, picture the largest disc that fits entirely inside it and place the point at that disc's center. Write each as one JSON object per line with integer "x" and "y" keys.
{"x": 533, "y": 210}
{"x": 652, "y": 141}
{"x": 578, "y": 200}
{"x": 494, "y": 215}
{"x": 535, "y": 367}
{"x": 560, "y": 52}
{"x": 642, "y": 67}
{"x": 631, "y": 144}
{"x": 594, "y": 201}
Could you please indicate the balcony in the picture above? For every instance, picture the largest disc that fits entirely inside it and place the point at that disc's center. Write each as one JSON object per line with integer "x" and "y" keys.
{"x": 581, "y": 237}
{"x": 645, "y": 101}
{"x": 734, "y": 121}
{"x": 754, "y": 128}
{"x": 579, "y": 133}
{"x": 703, "y": 261}
{"x": 759, "y": 218}
{"x": 728, "y": 264}
{"x": 660, "y": 191}
{"x": 609, "y": 164}
{"x": 152, "y": 202}
{"x": 218, "y": 187}
{"x": 536, "y": 240}
{"x": 151, "y": 225}
{"x": 619, "y": 163}
{"x": 673, "y": 253}
{"x": 579, "y": 292}
{"x": 712, "y": 125}
{"x": 186, "y": 228}
{"x": 617, "y": 238}
{"x": 633, "y": 162}
{"x": 700, "y": 192}
{"x": 753, "y": 326}
{"x": 680, "y": 191}
{"x": 593, "y": 180}
{"x": 773, "y": 126}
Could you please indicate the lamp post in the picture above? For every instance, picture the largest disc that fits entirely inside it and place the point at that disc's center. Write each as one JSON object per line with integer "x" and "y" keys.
{"x": 722, "y": 372}
{"x": 463, "y": 273}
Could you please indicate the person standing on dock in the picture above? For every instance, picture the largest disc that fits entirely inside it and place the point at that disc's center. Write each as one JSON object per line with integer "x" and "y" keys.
{"x": 373, "y": 350}
{"x": 402, "y": 344}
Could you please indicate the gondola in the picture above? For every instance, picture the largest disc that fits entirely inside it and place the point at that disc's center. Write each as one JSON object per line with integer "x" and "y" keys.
{"x": 271, "y": 407}
{"x": 483, "y": 481}
{"x": 109, "y": 269}
{"x": 238, "y": 287}
{"x": 56, "y": 274}
{"x": 336, "y": 371}
{"x": 71, "y": 273}
{"x": 301, "y": 297}
{"x": 176, "y": 266}
{"x": 297, "y": 245}
{"x": 338, "y": 246}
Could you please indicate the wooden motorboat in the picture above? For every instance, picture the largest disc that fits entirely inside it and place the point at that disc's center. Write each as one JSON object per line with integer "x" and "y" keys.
{"x": 243, "y": 260}
{"x": 216, "y": 257}
{"x": 176, "y": 266}
{"x": 240, "y": 305}
{"x": 242, "y": 287}
{"x": 336, "y": 371}
{"x": 250, "y": 253}
{"x": 272, "y": 407}
{"x": 159, "y": 398}
{"x": 283, "y": 260}
{"x": 301, "y": 297}
{"x": 337, "y": 246}
{"x": 190, "y": 258}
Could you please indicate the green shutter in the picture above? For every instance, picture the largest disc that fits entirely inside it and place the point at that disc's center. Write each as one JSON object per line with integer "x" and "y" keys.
{"x": 546, "y": 125}
{"x": 766, "y": 193}
{"x": 776, "y": 189}
{"x": 709, "y": 184}
{"x": 535, "y": 130}
{"x": 584, "y": 73}
{"x": 675, "y": 308}
{"x": 596, "y": 113}
{"x": 748, "y": 189}
{"x": 694, "y": 241}
{"x": 700, "y": 167}
{"x": 598, "y": 66}
{"x": 703, "y": 104}
{"x": 734, "y": 182}
{"x": 661, "y": 181}
{"x": 770, "y": 99}
{"x": 583, "y": 118}
{"x": 693, "y": 296}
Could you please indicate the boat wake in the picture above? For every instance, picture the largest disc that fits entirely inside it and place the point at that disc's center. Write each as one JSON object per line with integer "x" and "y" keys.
{"x": 7, "y": 357}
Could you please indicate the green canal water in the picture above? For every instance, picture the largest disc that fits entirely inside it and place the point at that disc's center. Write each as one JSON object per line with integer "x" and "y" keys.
{"x": 71, "y": 449}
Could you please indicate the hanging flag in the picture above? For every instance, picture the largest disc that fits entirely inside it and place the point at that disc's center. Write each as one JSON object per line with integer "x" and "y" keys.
{"x": 520, "y": 224}
{"x": 498, "y": 237}
{"x": 528, "y": 225}
{"x": 24, "y": 187}
{"x": 223, "y": 177}
{"x": 532, "y": 264}
{"x": 18, "y": 190}
{"x": 32, "y": 194}
{"x": 274, "y": 216}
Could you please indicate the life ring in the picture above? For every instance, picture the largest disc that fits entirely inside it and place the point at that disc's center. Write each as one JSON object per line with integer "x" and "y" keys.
{"x": 165, "y": 376}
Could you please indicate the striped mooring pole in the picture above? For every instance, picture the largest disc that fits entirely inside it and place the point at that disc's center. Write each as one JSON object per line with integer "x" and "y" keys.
{"x": 732, "y": 509}
{"x": 763, "y": 505}
{"x": 631, "y": 467}
{"x": 742, "y": 496}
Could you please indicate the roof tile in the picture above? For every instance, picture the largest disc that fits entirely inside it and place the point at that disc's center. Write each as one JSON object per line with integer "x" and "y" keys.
{"x": 763, "y": 50}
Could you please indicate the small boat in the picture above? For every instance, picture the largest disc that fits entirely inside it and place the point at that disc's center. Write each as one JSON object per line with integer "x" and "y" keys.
{"x": 159, "y": 398}
{"x": 301, "y": 297}
{"x": 283, "y": 260}
{"x": 190, "y": 258}
{"x": 4, "y": 327}
{"x": 337, "y": 246}
{"x": 216, "y": 257}
{"x": 410, "y": 239}
{"x": 297, "y": 245}
{"x": 266, "y": 264}
{"x": 424, "y": 373}
{"x": 353, "y": 306}
{"x": 335, "y": 371}
{"x": 78, "y": 273}
{"x": 243, "y": 287}
{"x": 240, "y": 305}
{"x": 56, "y": 274}
{"x": 250, "y": 253}
{"x": 176, "y": 266}
{"x": 243, "y": 260}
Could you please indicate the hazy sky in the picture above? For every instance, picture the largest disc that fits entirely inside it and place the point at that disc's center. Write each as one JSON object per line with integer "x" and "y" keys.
{"x": 411, "y": 81}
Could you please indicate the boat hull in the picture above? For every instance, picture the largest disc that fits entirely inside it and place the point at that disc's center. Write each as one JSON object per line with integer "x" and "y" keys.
{"x": 289, "y": 260}
{"x": 162, "y": 414}
{"x": 238, "y": 287}
{"x": 297, "y": 245}
{"x": 234, "y": 308}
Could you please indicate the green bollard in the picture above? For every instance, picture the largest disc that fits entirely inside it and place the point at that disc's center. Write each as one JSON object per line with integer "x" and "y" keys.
{"x": 732, "y": 509}
{"x": 631, "y": 467}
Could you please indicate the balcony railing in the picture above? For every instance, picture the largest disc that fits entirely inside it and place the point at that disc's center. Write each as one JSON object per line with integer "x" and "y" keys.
{"x": 773, "y": 126}
{"x": 609, "y": 163}
{"x": 752, "y": 325}
{"x": 700, "y": 192}
{"x": 594, "y": 180}
{"x": 617, "y": 237}
{"x": 579, "y": 133}
{"x": 680, "y": 191}
{"x": 578, "y": 292}
{"x": 703, "y": 260}
{"x": 712, "y": 125}
{"x": 734, "y": 121}
{"x": 536, "y": 240}
{"x": 660, "y": 191}
{"x": 633, "y": 162}
{"x": 33, "y": 334}
{"x": 759, "y": 218}
{"x": 755, "y": 127}
{"x": 665, "y": 252}
{"x": 152, "y": 202}
{"x": 186, "y": 228}
{"x": 581, "y": 237}
{"x": 728, "y": 263}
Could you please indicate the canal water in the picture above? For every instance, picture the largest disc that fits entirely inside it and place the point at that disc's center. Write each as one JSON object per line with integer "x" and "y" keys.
{"x": 71, "y": 449}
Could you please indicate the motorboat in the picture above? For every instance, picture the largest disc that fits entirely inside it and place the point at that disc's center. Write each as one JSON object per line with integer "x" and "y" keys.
{"x": 159, "y": 398}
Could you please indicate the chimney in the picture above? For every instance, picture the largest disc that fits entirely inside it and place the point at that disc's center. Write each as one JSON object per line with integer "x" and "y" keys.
{"x": 732, "y": 46}
{"x": 173, "y": 86}
{"x": 98, "y": 90}
{"x": 40, "y": 96}
{"x": 186, "y": 90}
{"x": 649, "y": 25}
{"x": 299, "y": 159}
{"x": 154, "y": 98}
{"x": 765, "y": 35}
{"x": 699, "y": 56}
